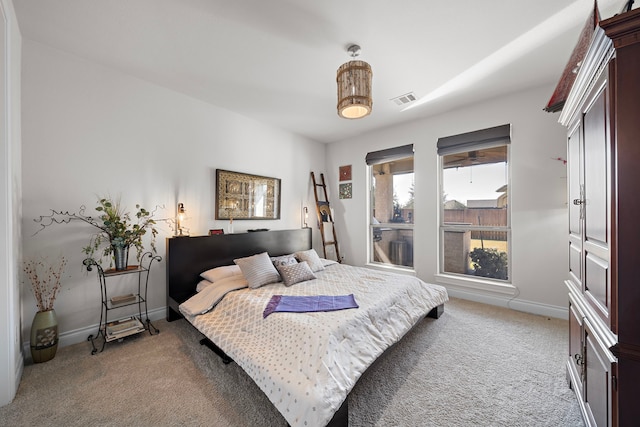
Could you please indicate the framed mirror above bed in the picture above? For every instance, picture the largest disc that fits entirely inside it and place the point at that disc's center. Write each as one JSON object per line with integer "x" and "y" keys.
{"x": 244, "y": 196}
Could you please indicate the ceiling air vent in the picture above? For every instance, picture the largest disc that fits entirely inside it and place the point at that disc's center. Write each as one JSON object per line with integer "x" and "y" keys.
{"x": 405, "y": 99}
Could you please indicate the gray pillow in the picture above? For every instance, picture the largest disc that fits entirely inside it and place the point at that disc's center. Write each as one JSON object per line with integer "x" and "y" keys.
{"x": 295, "y": 273}
{"x": 258, "y": 270}
{"x": 284, "y": 260}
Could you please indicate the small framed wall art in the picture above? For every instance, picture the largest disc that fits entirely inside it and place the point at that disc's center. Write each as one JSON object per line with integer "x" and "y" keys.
{"x": 345, "y": 191}
{"x": 345, "y": 173}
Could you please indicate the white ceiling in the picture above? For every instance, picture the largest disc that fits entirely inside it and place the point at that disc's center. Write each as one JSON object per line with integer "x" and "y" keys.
{"x": 276, "y": 60}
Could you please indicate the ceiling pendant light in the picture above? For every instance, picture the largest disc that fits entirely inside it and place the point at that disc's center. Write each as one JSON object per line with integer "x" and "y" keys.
{"x": 354, "y": 87}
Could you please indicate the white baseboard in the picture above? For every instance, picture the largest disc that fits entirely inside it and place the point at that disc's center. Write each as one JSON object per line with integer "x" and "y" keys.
{"x": 80, "y": 335}
{"x": 19, "y": 370}
{"x": 514, "y": 304}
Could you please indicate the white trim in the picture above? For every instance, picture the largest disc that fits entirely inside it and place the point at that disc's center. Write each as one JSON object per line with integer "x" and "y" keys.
{"x": 11, "y": 364}
{"x": 476, "y": 284}
{"x": 596, "y": 59}
{"x": 391, "y": 268}
{"x": 539, "y": 308}
{"x": 519, "y": 305}
{"x": 369, "y": 262}
{"x": 80, "y": 335}
{"x": 18, "y": 372}
{"x": 442, "y": 227}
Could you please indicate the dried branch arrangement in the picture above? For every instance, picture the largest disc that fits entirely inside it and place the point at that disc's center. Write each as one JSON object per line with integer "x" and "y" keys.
{"x": 113, "y": 225}
{"x": 45, "y": 280}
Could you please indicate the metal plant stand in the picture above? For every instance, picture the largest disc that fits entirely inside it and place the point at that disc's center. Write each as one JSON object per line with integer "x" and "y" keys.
{"x": 117, "y": 330}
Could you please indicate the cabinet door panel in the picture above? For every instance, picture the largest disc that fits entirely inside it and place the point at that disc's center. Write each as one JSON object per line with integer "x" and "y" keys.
{"x": 597, "y": 183}
{"x": 599, "y": 365}
{"x": 596, "y": 285}
{"x": 575, "y": 347}
{"x": 595, "y": 169}
{"x": 575, "y": 257}
{"x": 574, "y": 174}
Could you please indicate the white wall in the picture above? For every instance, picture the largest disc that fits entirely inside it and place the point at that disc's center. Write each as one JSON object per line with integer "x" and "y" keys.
{"x": 89, "y": 130}
{"x": 11, "y": 361}
{"x": 537, "y": 187}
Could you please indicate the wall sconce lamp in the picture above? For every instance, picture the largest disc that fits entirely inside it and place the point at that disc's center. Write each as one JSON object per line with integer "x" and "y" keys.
{"x": 230, "y": 206}
{"x": 179, "y": 218}
{"x": 306, "y": 216}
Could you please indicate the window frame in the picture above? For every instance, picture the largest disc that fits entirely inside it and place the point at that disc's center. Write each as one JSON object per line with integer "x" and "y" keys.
{"x": 372, "y": 159}
{"x": 486, "y": 138}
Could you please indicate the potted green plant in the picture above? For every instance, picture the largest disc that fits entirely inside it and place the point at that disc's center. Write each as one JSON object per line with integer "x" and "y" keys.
{"x": 116, "y": 230}
{"x": 45, "y": 279}
{"x": 120, "y": 232}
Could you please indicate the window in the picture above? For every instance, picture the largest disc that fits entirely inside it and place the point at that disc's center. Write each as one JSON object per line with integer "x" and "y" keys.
{"x": 474, "y": 203}
{"x": 391, "y": 203}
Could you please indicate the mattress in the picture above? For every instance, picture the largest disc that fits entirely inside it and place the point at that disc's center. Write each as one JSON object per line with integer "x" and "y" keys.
{"x": 307, "y": 363}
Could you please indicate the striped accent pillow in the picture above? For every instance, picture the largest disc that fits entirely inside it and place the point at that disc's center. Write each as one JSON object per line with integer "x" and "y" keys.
{"x": 258, "y": 270}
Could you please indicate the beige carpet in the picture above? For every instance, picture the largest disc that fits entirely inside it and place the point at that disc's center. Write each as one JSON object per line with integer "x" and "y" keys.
{"x": 477, "y": 365}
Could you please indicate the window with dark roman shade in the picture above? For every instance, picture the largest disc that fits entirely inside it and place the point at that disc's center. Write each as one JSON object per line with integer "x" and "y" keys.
{"x": 476, "y": 140}
{"x": 390, "y": 154}
{"x": 391, "y": 206}
{"x": 475, "y": 231}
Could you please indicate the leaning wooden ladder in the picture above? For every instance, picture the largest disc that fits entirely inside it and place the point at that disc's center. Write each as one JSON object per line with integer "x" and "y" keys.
{"x": 325, "y": 219}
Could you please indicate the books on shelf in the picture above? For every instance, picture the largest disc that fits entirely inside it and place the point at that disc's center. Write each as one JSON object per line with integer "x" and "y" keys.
{"x": 122, "y": 299}
{"x": 123, "y": 327}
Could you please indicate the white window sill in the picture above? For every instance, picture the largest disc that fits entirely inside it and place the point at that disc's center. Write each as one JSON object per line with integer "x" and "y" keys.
{"x": 474, "y": 283}
{"x": 391, "y": 268}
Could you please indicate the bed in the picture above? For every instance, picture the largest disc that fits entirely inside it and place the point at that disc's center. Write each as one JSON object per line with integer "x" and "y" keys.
{"x": 308, "y": 385}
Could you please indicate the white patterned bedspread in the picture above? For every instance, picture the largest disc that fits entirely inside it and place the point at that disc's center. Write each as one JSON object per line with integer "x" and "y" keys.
{"x": 307, "y": 363}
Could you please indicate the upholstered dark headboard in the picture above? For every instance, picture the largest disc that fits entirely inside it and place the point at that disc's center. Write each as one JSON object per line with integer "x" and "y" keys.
{"x": 187, "y": 257}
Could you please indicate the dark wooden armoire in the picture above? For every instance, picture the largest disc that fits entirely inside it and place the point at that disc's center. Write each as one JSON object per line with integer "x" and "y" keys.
{"x": 602, "y": 114}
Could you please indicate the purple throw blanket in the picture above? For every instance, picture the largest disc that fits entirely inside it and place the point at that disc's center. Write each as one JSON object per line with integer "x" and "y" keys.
{"x": 303, "y": 304}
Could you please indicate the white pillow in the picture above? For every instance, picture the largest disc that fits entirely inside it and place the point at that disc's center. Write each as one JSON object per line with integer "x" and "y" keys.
{"x": 328, "y": 262}
{"x": 210, "y": 296}
{"x": 220, "y": 273}
{"x": 203, "y": 284}
{"x": 258, "y": 270}
{"x": 312, "y": 258}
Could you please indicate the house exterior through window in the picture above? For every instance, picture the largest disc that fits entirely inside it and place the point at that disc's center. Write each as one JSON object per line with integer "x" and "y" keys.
{"x": 474, "y": 204}
{"x": 391, "y": 216}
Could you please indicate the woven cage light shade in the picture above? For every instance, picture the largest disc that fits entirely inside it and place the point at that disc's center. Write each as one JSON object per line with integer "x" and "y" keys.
{"x": 354, "y": 90}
